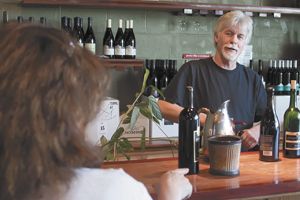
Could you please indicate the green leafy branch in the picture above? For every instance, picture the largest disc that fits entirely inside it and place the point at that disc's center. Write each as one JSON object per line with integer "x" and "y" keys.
{"x": 146, "y": 106}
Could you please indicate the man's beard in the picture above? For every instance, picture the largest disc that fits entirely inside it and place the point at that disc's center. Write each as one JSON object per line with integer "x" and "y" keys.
{"x": 230, "y": 56}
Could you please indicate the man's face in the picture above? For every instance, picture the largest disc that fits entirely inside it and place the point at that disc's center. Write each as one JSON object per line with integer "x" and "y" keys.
{"x": 230, "y": 42}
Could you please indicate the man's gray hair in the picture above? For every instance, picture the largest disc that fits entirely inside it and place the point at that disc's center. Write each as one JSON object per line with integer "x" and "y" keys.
{"x": 234, "y": 18}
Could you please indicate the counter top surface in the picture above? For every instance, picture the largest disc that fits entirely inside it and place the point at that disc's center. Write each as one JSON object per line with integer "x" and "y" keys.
{"x": 256, "y": 178}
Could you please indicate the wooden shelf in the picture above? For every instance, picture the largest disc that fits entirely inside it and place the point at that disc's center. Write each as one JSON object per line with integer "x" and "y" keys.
{"x": 160, "y": 5}
{"x": 123, "y": 63}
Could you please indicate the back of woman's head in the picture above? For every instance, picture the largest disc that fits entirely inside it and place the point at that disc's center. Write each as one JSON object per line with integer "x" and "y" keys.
{"x": 50, "y": 88}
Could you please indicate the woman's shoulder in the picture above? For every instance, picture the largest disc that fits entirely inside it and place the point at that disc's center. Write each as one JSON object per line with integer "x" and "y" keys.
{"x": 94, "y": 184}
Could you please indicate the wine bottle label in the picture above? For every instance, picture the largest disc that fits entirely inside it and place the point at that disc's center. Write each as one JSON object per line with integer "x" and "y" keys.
{"x": 130, "y": 50}
{"x": 110, "y": 51}
{"x": 119, "y": 50}
{"x": 266, "y": 145}
{"x": 91, "y": 47}
{"x": 292, "y": 140}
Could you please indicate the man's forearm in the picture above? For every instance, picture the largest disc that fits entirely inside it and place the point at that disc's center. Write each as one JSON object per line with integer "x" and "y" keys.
{"x": 169, "y": 111}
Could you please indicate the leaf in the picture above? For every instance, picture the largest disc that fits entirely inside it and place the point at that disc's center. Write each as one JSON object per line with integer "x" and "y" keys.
{"x": 103, "y": 140}
{"x": 158, "y": 90}
{"x": 154, "y": 107}
{"x": 117, "y": 134}
{"x": 134, "y": 116}
{"x": 146, "y": 75}
{"x": 126, "y": 120}
{"x": 155, "y": 120}
{"x": 143, "y": 140}
{"x": 125, "y": 145}
{"x": 146, "y": 112}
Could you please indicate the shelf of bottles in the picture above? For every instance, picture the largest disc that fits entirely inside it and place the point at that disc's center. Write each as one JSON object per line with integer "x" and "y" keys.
{"x": 279, "y": 74}
{"x": 163, "y": 5}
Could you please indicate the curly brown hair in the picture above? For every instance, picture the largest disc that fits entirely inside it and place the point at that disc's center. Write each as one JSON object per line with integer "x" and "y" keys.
{"x": 50, "y": 88}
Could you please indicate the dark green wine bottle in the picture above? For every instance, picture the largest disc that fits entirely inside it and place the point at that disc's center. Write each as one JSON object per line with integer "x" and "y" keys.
{"x": 291, "y": 138}
{"x": 189, "y": 137}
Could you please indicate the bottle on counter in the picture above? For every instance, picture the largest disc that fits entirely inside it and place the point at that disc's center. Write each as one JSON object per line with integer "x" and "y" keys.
{"x": 89, "y": 37}
{"x": 108, "y": 41}
{"x": 119, "y": 43}
{"x": 130, "y": 43}
{"x": 269, "y": 131}
{"x": 189, "y": 137}
{"x": 291, "y": 126}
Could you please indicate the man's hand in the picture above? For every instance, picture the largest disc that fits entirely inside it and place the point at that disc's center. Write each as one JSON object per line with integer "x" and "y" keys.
{"x": 174, "y": 185}
{"x": 250, "y": 137}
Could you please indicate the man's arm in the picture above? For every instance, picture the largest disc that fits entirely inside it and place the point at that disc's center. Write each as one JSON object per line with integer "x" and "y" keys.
{"x": 171, "y": 111}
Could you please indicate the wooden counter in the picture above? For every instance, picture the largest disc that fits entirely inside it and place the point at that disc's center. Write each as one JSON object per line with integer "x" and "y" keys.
{"x": 256, "y": 179}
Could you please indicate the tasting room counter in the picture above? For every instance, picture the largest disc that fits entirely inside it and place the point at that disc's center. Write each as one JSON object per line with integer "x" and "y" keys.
{"x": 257, "y": 179}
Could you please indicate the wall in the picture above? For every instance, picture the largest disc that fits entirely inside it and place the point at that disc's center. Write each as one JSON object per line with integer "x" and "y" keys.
{"x": 162, "y": 34}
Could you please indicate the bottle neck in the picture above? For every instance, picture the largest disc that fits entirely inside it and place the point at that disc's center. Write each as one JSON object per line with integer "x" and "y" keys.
{"x": 89, "y": 22}
{"x": 191, "y": 99}
{"x": 293, "y": 99}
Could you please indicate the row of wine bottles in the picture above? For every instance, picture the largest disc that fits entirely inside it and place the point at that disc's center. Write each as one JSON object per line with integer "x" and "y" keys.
{"x": 270, "y": 129}
{"x": 20, "y": 19}
{"x": 161, "y": 73}
{"x": 119, "y": 47}
{"x": 279, "y": 74}
{"x": 123, "y": 45}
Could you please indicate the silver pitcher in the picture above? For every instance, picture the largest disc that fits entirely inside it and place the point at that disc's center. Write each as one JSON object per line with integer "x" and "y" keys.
{"x": 217, "y": 123}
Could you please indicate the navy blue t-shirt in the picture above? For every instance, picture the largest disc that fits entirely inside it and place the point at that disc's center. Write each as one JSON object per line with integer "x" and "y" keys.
{"x": 213, "y": 85}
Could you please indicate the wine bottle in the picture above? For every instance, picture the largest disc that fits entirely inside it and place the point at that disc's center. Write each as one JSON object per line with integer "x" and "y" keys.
{"x": 89, "y": 37}
{"x": 260, "y": 71}
{"x": 189, "y": 139}
{"x": 251, "y": 64}
{"x": 154, "y": 79}
{"x": 269, "y": 131}
{"x": 81, "y": 26}
{"x": 43, "y": 21}
{"x": 279, "y": 86}
{"x": 69, "y": 25}
{"x": 270, "y": 73}
{"x": 31, "y": 19}
{"x": 119, "y": 43}
{"x": 108, "y": 41}
{"x": 4, "y": 17}
{"x": 130, "y": 43}
{"x": 77, "y": 32}
{"x": 163, "y": 81}
{"x": 20, "y": 19}
{"x": 291, "y": 125}
{"x": 64, "y": 24}
{"x": 126, "y": 30}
